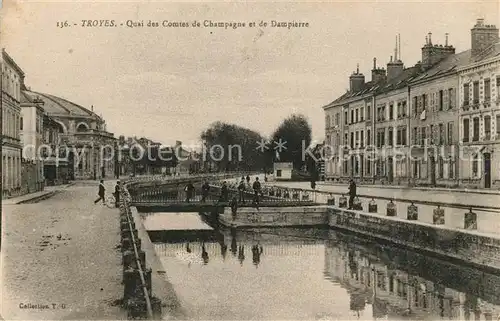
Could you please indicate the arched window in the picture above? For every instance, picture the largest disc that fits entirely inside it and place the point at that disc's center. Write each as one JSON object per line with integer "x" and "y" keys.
{"x": 82, "y": 127}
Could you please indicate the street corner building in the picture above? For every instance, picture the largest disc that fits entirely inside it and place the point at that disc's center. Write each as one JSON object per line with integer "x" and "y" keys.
{"x": 83, "y": 146}
{"x": 12, "y": 76}
{"x": 48, "y": 139}
{"x": 436, "y": 123}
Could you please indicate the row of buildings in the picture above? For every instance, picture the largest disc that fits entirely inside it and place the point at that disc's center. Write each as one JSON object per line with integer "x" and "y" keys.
{"x": 51, "y": 140}
{"x": 436, "y": 123}
{"x": 47, "y": 139}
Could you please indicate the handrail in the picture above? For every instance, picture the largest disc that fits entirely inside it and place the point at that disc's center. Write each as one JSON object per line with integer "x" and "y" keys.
{"x": 139, "y": 265}
{"x": 442, "y": 204}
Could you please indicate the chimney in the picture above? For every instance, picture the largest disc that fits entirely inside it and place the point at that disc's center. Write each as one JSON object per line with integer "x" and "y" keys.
{"x": 394, "y": 67}
{"x": 356, "y": 81}
{"x": 432, "y": 54}
{"x": 378, "y": 74}
{"x": 482, "y": 37}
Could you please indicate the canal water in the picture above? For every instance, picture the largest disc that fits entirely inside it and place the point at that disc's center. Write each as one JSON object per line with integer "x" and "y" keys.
{"x": 307, "y": 274}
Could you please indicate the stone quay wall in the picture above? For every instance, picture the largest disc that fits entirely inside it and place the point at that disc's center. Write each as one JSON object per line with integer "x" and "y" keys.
{"x": 467, "y": 246}
{"x": 250, "y": 217}
{"x": 463, "y": 245}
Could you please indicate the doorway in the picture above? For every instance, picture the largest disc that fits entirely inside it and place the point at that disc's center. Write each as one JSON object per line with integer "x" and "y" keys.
{"x": 390, "y": 169}
{"x": 487, "y": 170}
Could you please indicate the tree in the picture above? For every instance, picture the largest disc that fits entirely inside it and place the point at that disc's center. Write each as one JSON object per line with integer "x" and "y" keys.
{"x": 232, "y": 147}
{"x": 295, "y": 134}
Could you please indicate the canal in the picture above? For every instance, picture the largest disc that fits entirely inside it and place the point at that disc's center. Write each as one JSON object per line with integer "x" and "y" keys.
{"x": 271, "y": 274}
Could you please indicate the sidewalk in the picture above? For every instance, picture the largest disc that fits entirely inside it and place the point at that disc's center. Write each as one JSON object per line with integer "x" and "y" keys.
{"x": 60, "y": 259}
{"x": 48, "y": 191}
{"x": 437, "y": 189}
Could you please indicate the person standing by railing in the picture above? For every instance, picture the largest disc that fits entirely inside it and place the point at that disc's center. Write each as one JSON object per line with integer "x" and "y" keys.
{"x": 205, "y": 188}
{"x": 256, "y": 189}
{"x": 189, "y": 189}
{"x": 117, "y": 193}
{"x": 224, "y": 192}
{"x": 352, "y": 193}
{"x": 241, "y": 191}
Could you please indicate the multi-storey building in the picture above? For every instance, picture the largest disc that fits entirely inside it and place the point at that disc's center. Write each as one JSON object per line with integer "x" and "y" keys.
{"x": 479, "y": 102}
{"x": 90, "y": 149}
{"x": 434, "y": 121}
{"x": 411, "y": 116}
{"x": 349, "y": 128}
{"x": 32, "y": 138}
{"x": 11, "y": 79}
{"x": 55, "y": 164}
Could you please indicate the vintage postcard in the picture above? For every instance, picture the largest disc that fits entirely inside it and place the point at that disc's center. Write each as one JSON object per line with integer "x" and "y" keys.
{"x": 216, "y": 160}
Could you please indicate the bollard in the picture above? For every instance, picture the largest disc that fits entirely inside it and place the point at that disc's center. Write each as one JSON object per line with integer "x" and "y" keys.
{"x": 156, "y": 307}
{"x": 412, "y": 212}
{"x": 356, "y": 204}
{"x": 142, "y": 259}
{"x": 128, "y": 259}
{"x": 126, "y": 233}
{"x": 470, "y": 220}
{"x": 438, "y": 217}
{"x": 127, "y": 244}
{"x": 147, "y": 278}
{"x": 132, "y": 283}
{"x": 330, "y": 200}
{"x": 372, "y": 206}
{"x": 124, "y": 225}
{"x": 138, "y": 243}
{"x": 391, "y": 209}
{"x": 137, "y": 308}
{"x": 343, "y": 201}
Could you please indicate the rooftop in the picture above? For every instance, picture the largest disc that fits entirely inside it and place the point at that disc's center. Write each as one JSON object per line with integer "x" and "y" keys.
{"x": 54, "y": 105}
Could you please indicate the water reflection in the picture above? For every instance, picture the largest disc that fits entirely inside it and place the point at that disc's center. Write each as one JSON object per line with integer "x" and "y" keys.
{"x": 405, "y": 284}
{"x": 295, "y": 276}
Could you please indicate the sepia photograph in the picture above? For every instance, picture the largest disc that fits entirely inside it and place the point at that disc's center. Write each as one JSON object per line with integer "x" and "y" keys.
{"x": 232, "y": 160}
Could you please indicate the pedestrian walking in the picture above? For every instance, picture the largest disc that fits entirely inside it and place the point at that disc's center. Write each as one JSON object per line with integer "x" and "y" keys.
{"x": 256, "y": 189}
{"x": 204, "y": 191}
{"x": 352, "y": 193}
{"x": 248, "y": 179}
{"x": 189, "y": 189}
{"x": 101, "y": 193}
{"x": 117, "y": 193}
{"x": 224, "y": 192}
{"x": 241, "y": 192}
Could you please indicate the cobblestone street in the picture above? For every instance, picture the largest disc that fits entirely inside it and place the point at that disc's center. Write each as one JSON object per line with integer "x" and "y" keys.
{"x": 60, "y": 258}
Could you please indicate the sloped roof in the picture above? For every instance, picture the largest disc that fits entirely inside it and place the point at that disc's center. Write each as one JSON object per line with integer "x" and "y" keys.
{"x": 54, "y": 105}
{"x": 448, "y": 64}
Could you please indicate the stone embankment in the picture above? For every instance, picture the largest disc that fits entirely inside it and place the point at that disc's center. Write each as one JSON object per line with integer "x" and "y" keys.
{"x": 465, "y": 244}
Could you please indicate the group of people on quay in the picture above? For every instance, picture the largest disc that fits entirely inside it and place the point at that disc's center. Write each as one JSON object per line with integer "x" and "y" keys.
{"x": 243, "y": 187}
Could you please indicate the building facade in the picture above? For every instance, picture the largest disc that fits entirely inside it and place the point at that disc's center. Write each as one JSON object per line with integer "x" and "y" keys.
{"x": 31, "y": 135}
{"x": 12, "y": 77}
{"x": 84, "y": 142}
{"x": 55, "y": 165}
{"x": 479, "y": 112}
{"x": 422, "y": 119}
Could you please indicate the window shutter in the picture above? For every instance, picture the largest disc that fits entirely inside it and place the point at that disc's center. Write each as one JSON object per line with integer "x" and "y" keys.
{"x": 445, "y": 100}
{"x": 452, "y": 98}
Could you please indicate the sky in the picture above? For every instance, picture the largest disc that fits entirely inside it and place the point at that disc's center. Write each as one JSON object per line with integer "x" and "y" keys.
{"x": 169, "y": 84}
